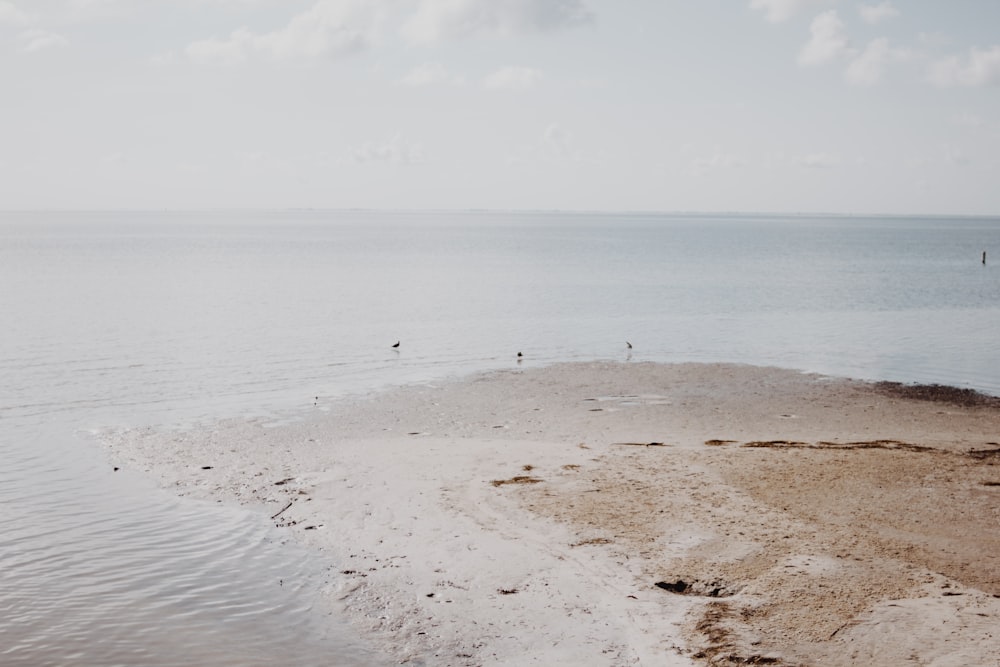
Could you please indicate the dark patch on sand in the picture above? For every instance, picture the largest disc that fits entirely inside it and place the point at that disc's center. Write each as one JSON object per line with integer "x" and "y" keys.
{"x": 708, "y": 589}
{"x": 593, "y": 540}
{"x": 825, "y": 444}
{"x": 938, "y": 393}
{"x": 520, "y": 479}
{"x": 990, "y": 455}
{"x": 722, "y": 647}
{"x": 877, "y": 444}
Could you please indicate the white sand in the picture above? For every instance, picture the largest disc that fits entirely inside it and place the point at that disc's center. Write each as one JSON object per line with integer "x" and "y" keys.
{"x": 829, "y": 554}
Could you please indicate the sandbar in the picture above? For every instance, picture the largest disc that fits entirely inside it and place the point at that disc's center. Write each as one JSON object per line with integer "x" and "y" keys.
{"x": 612, "y": 513}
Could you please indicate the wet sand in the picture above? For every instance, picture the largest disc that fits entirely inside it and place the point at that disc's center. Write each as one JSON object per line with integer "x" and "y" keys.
{"x": 632, "y": 514}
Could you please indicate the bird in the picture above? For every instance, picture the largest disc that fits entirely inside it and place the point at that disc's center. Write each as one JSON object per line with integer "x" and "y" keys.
{"x": 628, "y": 344}
{"x": 396, "y": 346}
{"x": 520, "y": 357}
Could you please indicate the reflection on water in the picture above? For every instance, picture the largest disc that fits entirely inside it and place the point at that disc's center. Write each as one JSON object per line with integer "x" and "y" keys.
{"x": 99, "y": 568}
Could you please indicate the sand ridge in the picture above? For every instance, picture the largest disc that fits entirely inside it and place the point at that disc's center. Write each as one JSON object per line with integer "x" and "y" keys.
{"x": 630, "y": 513}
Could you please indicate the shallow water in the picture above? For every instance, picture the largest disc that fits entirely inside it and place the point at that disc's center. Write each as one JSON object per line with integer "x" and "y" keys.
{"x": 128, "y": 319}
{"x": 98, "y": 567}
{"x": 175, "y": 312}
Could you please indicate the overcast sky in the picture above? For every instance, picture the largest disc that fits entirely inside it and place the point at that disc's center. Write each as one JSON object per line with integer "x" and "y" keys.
{"x": 673, "y": 105}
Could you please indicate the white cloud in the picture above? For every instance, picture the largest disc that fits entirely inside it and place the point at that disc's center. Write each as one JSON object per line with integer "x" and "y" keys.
{"x": 827, "y": 42}
{"x": 968, "y": 119}
{"x": 231, "y": 51}
{"x": 165, "y": 59}
{"x": 87, "y": 5}
{"x": 395, "y": 150}
{"x": 512, "y": 78}
{"x": 329, "y": 29}
{"x": 429, "y": 74}
{"x": 250, "y": 157}
{"x": 981, "y": 67}
{"x": 555, "y": 144}
{"x": 33, "y": 41}
{"x": 336, "y": 28}
{"x": 875, "y": 13}
{"x": 718, "y": 160}
{"x": 559, "y": 139}
{"x": 777, "y": 11}
{"x": 867, "y": 69}
{"x": 955, "y": 157}
{"x": 193, "y": 168}
{"x": 436, "y": 20}
{"x": 96, "y": 10}
{"x": 933, "y": 39}
{"x": 818, "y": 161}
{"x": 9, "y": 13}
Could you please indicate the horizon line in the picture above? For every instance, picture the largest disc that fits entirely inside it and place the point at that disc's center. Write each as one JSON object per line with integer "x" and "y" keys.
{"x": 550, "y": 211}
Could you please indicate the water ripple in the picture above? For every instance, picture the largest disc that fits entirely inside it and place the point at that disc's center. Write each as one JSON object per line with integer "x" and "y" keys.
{"x": 90, "y": 580}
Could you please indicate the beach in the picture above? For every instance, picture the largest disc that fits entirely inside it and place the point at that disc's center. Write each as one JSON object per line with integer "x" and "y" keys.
{"x": 613, "y": 513}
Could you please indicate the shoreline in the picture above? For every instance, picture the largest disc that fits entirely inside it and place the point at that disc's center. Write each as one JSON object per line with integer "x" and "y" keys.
{"x": 611, "y": 513}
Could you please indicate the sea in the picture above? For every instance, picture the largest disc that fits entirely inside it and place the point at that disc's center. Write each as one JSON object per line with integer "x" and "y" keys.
{"x": 174, "y": 319}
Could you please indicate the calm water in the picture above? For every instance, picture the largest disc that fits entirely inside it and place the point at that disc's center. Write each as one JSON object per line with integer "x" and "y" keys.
{"x": 159, "y": 318}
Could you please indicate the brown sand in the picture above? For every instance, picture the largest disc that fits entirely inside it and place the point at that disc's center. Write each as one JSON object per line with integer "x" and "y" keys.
{"x": 618, "y": 514}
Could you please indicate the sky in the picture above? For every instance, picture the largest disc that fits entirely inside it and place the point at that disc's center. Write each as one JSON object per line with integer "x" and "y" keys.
{"x": 788, "y": 106}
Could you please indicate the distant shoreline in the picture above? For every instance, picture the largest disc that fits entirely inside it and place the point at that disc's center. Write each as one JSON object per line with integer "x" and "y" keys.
{"x": 497, "y": 211}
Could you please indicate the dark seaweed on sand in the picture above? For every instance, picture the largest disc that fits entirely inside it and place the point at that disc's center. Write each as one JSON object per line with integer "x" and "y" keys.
{"x": 938, "y": 393}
